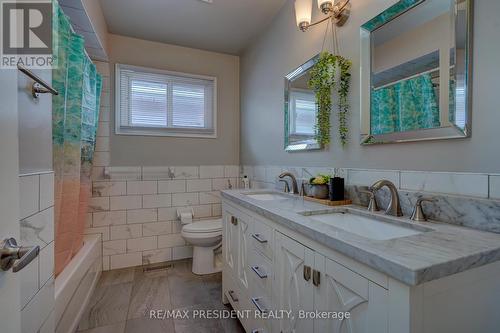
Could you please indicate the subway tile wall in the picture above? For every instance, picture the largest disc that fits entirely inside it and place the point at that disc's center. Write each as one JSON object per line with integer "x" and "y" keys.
{"x": 135, "y": 209}
{"x": 37, "y": 228}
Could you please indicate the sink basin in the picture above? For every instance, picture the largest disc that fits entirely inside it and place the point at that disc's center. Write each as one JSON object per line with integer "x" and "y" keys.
{"x": 267, "y": 196}
{"x": 367, "y": 227}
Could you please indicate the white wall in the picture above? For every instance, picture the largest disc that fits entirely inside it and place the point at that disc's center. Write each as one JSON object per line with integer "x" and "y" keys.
{"x": 127, "y": 150}
{"x": 283, "y": 47}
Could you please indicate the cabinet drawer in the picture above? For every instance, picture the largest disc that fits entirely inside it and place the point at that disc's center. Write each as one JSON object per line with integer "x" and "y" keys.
{"x": 257, "y": 323}
{"x": 232, "y": 292}
{"x": 260, "y": 270}
{"x": 262, "y": 238}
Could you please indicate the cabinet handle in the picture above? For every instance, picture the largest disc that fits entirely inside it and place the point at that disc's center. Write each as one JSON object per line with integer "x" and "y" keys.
{"x": 260, "y": 307}
{"x": 316, "y": 277}
{"x": 259, "y": 238}
{"x": 307, "y": 273}
{"x": 259, "y": 273}
{"x": 258, "y": 330}
{"x": 234, "y": 220}
{"x": 231, "y": 294}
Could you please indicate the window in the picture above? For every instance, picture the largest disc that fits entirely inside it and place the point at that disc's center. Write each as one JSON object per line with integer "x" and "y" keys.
{"x": 303, "y": 112}
{"x": 161, "y": 103}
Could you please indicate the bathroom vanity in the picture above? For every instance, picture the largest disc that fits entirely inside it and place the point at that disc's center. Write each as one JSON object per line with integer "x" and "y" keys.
{"x": 285, "y": 258}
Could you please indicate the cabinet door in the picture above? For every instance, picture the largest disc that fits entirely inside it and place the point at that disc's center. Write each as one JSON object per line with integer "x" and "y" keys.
{"x": 229, "y": 243}
{"x": 243, "y": 235}
{"x": 342, "y": 290}
{"x": 292, "y": 292}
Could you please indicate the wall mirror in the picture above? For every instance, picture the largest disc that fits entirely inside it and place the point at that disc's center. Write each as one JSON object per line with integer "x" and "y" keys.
{"x": 416, "y": 72}
{"x": 300, "y": 109}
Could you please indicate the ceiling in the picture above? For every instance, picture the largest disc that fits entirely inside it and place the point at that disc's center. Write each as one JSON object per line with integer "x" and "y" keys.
{"x": 226, "y": 26}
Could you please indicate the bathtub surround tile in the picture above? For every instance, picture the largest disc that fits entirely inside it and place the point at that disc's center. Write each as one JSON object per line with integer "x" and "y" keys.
{"x": 211, "y": 171}
{"x": 185, "y": 199}
{"x": 142, "y": 215}
{"x": 126, "y": 202}
{"x": 125, "y": 231}
{"x": 114, "y": 247}
{"x": 156, "y": 200}
{"x": 46, "y": 264}
{"x": 446, "y": 182}
{"x": 98, "y": 204}
{"x": 123, "y": 173}
{"x": 28, "y": 282}
{"x": 103, "y": 231}
{"x": 108, "y": 305}
{"x": 49, "y": 326}
{"x": 101, "y": 219}
{"x": 494, "y": 186}
{"x": 125, "y": 260}
{"x": 156, "y": 256}
{"x": 107, "y": 189}
{"x": 36, "y": 312}
{"x": 199, "y": 185}
{"x": 141, "y": 244}
{"x": 170, "y": 240}
{"x": 46, "y": 190}
{"x": 156, "y": 228}
{"x": 172, "y": 186}
{"x": 88, "y": 221}
{"x": 29, "y": 190}
{"x": 38, "y": 229}
{"x": 142, "y": 187}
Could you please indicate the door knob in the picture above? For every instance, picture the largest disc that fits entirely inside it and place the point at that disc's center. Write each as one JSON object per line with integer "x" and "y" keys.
{"x": 16, "y": 257}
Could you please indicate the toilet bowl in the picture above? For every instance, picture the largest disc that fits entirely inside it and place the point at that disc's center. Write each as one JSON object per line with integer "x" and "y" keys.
{"x": 206, "y": 238}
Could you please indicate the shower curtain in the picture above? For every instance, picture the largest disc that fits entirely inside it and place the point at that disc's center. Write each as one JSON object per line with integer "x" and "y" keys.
{"x": 74, "y": 125}
{"x": 404, "y": 106}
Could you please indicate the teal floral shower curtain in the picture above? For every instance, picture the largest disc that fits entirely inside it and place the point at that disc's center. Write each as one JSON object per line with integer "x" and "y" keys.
{"x": 75, "y": 118}
{"x": 404, "y": 106}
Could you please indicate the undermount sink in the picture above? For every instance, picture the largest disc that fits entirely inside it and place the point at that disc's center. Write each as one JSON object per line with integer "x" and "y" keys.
{"x": 267, "y": 196}
{"x": 368, "y": 227}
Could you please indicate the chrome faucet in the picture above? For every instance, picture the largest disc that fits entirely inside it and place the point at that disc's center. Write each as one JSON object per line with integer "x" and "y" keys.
{"x": 394, "y": 207}
{"x": 295, "y": 188}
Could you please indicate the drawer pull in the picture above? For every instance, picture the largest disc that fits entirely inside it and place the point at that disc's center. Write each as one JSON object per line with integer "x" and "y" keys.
{"x": 307, "y": 273}
{"x": 316, "y": 277}
{"x": 259, "y": 273}
{"x": 259, "y": 238}
{"x": 260, "y": 307}
{"x": 234, "y": 220}
{"x": 231, "y": 294}
{"x": 258, "y": 330}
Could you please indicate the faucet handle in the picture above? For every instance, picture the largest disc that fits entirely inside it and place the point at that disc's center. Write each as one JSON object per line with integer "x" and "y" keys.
{"x": 372, "y": 206}
{"x": 418, "y": 213}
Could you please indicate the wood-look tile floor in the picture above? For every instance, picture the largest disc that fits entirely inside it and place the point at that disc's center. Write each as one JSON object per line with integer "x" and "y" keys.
{"x": 123, "y": 299}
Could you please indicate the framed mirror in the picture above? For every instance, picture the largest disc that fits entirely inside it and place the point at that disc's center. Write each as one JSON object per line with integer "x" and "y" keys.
{"x": 300, "y": 109}
{"x": 416, "y": 72}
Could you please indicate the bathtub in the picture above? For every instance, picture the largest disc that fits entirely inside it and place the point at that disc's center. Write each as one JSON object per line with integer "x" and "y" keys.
{"x": 76, "y": 283}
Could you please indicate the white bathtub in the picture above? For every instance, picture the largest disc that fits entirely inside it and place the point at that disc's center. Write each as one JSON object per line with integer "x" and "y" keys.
{"x": 76, "y": 283}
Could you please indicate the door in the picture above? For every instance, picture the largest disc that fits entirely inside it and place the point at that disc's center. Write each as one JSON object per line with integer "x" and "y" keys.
{"x": 293, "y": 286}
{"x": 343, "y": 291}
{"x": 243, "y": 232}
{"x": 229, "y": 242}
{"x": 10, "y": 316}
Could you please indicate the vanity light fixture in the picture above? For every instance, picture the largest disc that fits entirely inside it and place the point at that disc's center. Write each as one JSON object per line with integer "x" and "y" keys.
{"x": 338, "y": 11}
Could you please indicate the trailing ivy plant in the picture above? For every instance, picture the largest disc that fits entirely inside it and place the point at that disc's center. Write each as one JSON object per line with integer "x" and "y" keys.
{"x": 322, "y": 81}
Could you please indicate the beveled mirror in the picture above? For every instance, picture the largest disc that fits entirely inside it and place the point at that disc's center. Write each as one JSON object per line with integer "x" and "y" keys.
{"x": 300, "y": 109}
{"x": 416, "y": 72}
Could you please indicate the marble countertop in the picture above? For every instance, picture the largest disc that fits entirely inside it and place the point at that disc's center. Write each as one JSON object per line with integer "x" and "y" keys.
{"x": 415, "y": 259}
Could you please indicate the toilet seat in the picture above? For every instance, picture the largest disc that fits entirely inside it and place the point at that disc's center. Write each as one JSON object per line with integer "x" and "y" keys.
{"x": 207, "y": 226}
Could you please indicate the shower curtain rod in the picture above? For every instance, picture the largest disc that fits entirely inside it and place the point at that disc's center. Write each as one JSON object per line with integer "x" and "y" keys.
{"x": 35, "y": 88}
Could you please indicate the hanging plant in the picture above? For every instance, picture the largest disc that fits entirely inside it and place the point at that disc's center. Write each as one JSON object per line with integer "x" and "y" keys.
{"x": 322, "y": 81}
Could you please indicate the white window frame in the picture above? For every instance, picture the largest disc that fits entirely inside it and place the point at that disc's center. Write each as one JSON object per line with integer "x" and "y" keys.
{"x": 119, "y": 130}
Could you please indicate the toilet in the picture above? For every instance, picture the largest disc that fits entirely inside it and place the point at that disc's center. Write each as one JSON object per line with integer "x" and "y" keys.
{"x": 206, "y": 238}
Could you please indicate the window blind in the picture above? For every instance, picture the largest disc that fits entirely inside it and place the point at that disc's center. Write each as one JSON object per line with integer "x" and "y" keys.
{"x": 163, "y": 103}
{"x": 303, "y": 107}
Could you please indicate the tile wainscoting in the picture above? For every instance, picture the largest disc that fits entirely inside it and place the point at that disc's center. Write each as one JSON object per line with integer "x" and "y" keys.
{"x": 468, "y": 199}
{"x": 135, "y": 209}
{"x": 36, "y": 192}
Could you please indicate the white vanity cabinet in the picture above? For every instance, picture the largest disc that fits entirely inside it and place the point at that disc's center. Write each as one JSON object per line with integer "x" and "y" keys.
{"x": 270, "y": 267}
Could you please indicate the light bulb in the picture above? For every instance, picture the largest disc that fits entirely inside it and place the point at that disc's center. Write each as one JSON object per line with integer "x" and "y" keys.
{"x": 303, "y": 9}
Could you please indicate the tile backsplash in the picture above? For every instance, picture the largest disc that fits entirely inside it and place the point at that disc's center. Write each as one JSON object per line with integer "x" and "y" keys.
{"x": 468, "y": 199}
{"x": 135, "y": 209}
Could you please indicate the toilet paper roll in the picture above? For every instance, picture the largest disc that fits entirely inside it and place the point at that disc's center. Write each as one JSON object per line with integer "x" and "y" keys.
{"x": 186, "y": 217}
